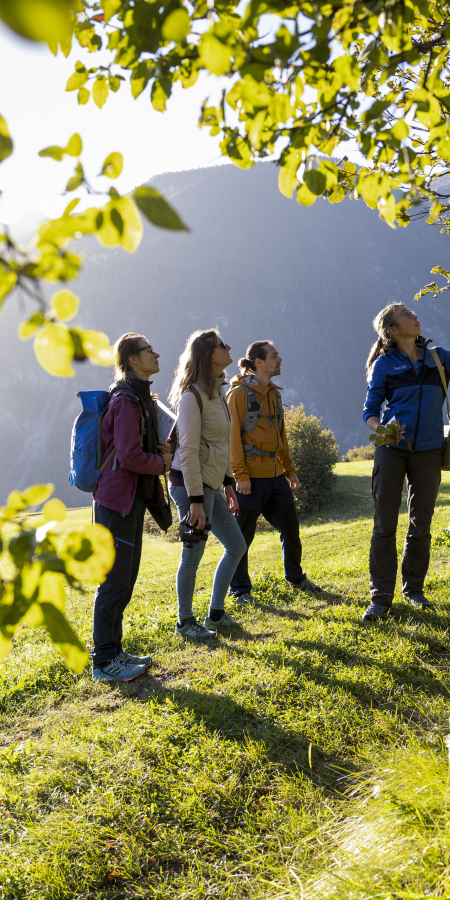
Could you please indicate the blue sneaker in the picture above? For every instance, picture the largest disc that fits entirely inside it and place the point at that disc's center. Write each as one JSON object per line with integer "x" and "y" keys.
{"x": 134, "y": 660}
{"x": 117, "y": 670}
{"x": 418, "y": 600}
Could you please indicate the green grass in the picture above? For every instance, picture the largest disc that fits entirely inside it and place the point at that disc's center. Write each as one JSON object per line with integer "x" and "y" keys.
{"x": 303, "y": 753}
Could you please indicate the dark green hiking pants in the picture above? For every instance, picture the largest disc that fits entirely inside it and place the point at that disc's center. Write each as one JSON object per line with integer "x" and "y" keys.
{"x": 423, "y": 475}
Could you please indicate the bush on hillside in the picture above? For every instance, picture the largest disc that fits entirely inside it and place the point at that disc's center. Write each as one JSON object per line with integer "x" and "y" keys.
{"x": 315, "y": 451}
{"x": 367, "y": 452}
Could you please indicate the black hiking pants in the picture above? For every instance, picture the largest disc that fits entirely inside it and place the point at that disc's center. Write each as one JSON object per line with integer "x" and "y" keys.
{"x": 113, "y": 596}
{"x": 423, "y": 476}
{"x": 272, "y": 498}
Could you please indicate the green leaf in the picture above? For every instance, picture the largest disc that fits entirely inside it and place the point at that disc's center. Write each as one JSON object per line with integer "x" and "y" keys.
{"x": 113, "y": 165}
{"x": 132, "y": 231}
{"x": 77, "y": 80}
{"x": 37, "y": 20}
{"x": 77, "y": 179}
{"x": 215, "y": 55}
{"x": 97, "y": 347}
{"x": 8, "y": 281}
{"x": 65, "y": 305}
{"x": 83, "y": 96}
{"x": 6, "y": 144}
{"x": 161, "y": 91}
{"x": 157, "y": 210}
{"x": 56, "y": 153}
{"x": 74, "y": 146}
{"x": 177, "y": 26}
{"x": 110, "y": 7}
{"x": 100, "y": 91}
{"x": 31, "y": 325}
{"x": 287, "y": 178}
{"x": 316, "y": 181}
{"x": 63, "y": 635}
{"x": 347, "y": 68}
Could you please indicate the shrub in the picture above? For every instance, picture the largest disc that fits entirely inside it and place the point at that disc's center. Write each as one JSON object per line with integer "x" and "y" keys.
{"x": 315, "y": 451}
{"x": 367, "y": 452}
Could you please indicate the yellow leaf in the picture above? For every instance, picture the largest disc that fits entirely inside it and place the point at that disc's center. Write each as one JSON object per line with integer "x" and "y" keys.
{"x": 132, "y": 230}
{"x": 386, "y": 209}
{"x": 97, "y": 347}
{"x": 54, "y": 349}
{"x": 51, "y": 589}
{"x": 100, "y": 91}
{"x": 65, "y": 305}
{"x": 89, "y": 553}
{"x": 305, "y": 196}
{"x": 75, "y": 145}
{"x": 215, "y": 55}
{"x": 113, "y": 165}
{"x": 54, "y": 511}
{"x": 37, "y": 494}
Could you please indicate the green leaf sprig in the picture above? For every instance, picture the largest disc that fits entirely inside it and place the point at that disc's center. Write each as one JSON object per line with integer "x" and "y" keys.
{"x": 389, "y": 435}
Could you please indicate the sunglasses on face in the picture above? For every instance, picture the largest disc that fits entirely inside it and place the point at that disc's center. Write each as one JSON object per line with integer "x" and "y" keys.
{"x": 147, "y": 347}
{"x": 221, "y": 344}
{"x": 408, "y": 314}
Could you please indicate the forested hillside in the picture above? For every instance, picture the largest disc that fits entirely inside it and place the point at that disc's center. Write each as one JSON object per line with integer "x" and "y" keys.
{"x": 258, "y": 266}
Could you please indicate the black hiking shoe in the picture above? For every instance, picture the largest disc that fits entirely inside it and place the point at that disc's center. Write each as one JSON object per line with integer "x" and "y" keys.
{"x": 418, "y": 600}
{"x": 307, "y": 585}
{"x": 376, "y": 611}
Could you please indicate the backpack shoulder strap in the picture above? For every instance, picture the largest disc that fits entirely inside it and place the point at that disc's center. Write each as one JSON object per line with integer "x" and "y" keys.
{"x": 193, "y": 390}
{"x": 442, "y": 374}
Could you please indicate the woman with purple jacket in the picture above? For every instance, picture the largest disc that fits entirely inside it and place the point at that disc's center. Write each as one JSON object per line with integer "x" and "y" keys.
{"x": 127, "y": 486}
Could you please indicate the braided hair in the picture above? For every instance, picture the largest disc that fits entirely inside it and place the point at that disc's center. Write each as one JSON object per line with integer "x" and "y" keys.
{"x": 385, "y": 341}
{"x": 257, "y": 350}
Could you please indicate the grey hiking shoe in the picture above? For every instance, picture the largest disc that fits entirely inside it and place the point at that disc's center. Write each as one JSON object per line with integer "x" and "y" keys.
{"x": 117, "y": 670}
{"x": 376, "y": 611}
{"x": 134, "y": 660}
{"x": 418, "y": 600}
{"x": 307, "y": 585}
{"x": 191, "y": 630}
{"x": 244, "y": 599}
{"x": 225, "y": 622}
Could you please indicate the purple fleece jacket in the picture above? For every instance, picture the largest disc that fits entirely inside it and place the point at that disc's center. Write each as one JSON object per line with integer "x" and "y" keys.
{"x": 120, "y": 429}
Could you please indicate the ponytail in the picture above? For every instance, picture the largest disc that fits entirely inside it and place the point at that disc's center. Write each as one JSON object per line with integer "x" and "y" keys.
{"x": 385, "y": 341}
{"x": 257, "y": 350}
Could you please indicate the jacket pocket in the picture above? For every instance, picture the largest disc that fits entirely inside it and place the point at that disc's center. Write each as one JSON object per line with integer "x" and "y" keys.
{"x": 204, "y": 453}
{"x": 375, "y": 482}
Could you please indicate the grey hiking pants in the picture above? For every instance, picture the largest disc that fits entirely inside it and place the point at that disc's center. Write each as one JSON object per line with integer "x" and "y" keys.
{"x": 423, "y": 475}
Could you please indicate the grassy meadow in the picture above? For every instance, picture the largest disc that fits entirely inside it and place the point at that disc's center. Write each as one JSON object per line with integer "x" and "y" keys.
{"x": 302, "y": 755}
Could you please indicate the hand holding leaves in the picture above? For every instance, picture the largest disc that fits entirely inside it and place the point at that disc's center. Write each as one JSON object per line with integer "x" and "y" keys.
{"x": 390, "y": 435}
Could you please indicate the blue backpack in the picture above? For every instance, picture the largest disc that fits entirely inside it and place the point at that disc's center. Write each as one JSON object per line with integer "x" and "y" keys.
{"x": 86, "y": 446}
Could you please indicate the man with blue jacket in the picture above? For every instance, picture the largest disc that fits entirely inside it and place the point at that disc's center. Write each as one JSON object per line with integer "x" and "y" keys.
{"x": 404, "y": 385}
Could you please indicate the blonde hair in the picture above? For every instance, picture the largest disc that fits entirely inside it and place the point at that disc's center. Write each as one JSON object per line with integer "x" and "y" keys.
{"x": 125, "y": 346}
{"x": 385, "y": 340}
{"x": 195, "y": 365}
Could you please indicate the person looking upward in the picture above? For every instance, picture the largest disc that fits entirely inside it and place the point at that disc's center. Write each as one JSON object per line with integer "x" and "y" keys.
{"x": 404, "y": 378}
{"x": 201, "y": 482}
{"x": 128, "y": 484}
{"x": 264, "y": 471}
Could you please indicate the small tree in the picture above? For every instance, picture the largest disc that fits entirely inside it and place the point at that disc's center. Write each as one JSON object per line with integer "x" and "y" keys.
{"x": 358, "y": 453}
{"x": 315, "y": 451}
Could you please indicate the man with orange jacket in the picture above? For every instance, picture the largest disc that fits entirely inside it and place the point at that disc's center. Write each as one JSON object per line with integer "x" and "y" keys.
{"x": 264, "y": 471}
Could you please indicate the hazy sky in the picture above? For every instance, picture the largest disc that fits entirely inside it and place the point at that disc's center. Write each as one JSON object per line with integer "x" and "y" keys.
{"x": 39, "y": 112}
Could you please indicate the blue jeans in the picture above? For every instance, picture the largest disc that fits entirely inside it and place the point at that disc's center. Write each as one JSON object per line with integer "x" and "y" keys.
{"x": 225, "y": 528}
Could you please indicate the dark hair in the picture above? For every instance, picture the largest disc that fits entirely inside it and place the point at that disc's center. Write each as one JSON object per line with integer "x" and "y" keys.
{"x": 195, "y": 365}
{"x": 385, "y": 342}
{"x": 125, "y": 346}
{"x": 257, "y": 350}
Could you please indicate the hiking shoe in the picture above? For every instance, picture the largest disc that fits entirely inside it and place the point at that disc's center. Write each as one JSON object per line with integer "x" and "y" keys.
{"x": 117, "y": 670}
{"x": 134, "y": 660}
{"x": 376, "y": 611}
{"x": 244, "y": 599}
{"x": 307, "y": 585}
{"x": 226, "y": 621}
{"x": 192, "y": 630}
{"x": 418, "y": 600}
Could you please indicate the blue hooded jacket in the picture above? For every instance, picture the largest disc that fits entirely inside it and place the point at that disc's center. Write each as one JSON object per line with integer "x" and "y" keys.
{"x": 414, "y": 398}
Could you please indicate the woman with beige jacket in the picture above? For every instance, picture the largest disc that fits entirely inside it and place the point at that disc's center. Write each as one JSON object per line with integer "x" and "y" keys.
{"x": 201, "y": 481}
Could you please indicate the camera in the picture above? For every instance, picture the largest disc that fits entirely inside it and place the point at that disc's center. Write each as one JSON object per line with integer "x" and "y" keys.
{"x": 190, "y": 535}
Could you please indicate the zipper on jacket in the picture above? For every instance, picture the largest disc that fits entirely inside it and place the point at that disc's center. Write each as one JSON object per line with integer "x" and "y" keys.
{"x": 419, "y": 376}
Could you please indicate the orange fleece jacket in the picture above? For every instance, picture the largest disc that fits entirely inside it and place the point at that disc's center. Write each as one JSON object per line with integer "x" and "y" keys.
{"x": 265, "y": 436}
